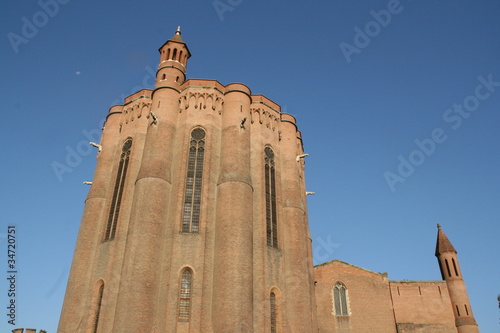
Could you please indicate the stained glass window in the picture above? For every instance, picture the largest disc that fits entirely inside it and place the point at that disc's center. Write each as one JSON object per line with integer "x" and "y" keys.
{"x": 273, "y": 313}
{"x": 192, "y": 197}
{"x": 118, "y": 191}
{"x": 270, "y": 184}
{"x": 340, "y": 299}
{"x": 185, "y": 295}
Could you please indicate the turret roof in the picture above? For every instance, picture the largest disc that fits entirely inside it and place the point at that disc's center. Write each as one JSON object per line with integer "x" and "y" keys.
{"x": 178, "y": 39}
{"x": 443, "y": 244}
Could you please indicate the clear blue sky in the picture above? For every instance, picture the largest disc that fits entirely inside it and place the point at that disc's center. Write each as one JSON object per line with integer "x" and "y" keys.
{"x": 362, "y": 103}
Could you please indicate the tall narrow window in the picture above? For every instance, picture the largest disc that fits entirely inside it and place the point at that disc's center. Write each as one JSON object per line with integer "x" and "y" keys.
{"x": 118, "y": 191}
{"x": 447, "y": 267}
{"x": 98, "y": 308}
{"x": 273, "y": 312}
{"x": 270, "y": 184}
{"x": 454, "y": 266}
{"x": 192, "y": 198}
{"x": 185, "y": 295}
{"x": 340, "y": 299}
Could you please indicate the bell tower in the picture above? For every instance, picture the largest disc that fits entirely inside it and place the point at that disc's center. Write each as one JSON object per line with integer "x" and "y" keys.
{"x": 451, "y": 273}
{"x": 174, "y": 55}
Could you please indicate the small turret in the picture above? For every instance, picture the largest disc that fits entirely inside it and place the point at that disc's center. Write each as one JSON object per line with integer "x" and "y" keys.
{"x": 173, "y": 62}
{"x": 450, "y": 271}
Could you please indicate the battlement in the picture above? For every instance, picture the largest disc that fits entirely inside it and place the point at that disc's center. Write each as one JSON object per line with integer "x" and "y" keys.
{"x": 27, "y": 330}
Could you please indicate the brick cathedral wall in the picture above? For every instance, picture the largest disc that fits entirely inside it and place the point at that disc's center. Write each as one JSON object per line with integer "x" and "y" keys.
{"x": 422, "y": 306}
{"x": 370, "y": 308}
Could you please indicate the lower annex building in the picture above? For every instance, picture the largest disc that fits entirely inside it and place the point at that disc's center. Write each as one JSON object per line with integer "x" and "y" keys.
{"x": 196, "y": 221}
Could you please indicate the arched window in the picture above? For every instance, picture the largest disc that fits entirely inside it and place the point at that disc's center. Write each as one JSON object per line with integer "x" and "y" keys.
{"x": 180, "y": 56}
{"x": 164, "y": 76}
{"x": 192, "y": 197}
{"x": 118, "y": 191}
{"x": 168, "y": 54}
{"x": 270, "y": 184}
{"x": 174, "y": 56}
{"x": 273, "y": 313}
{"x": 98, "y": 307}
{"x": 185, "y": 295}
{"x": 340, "y": 299}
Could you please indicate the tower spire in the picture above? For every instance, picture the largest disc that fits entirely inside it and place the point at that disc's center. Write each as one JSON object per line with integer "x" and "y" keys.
{"x": 443, "y": 244}
{"x": 451, "y": 273}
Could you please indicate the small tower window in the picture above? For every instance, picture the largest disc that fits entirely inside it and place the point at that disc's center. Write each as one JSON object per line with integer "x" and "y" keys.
{"x": 185, "y": 295}
{"x": 447, "y": 267}
{"x": 192, "y": 197}
{"x": 118, "y": 191}
{"x": 454, "y": 266}
{"x": 164, "y": 76}
{"x": 270, "y": 184}
{"x": 273, "y": 313}
{"x": 168, "y": 54}
{"x": 180, "y": 56}
{"x": 174, "y": 56}
{"x": 340, "y": 299}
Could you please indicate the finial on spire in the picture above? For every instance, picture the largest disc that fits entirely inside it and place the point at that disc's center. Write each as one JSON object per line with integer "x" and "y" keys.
{"x": 439, "y": 226}
{"x": 178, "y": 31}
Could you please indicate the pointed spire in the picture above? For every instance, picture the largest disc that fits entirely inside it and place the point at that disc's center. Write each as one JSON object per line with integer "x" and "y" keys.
{"x": 177, "y": 37}
{"x": 443, "y": 244}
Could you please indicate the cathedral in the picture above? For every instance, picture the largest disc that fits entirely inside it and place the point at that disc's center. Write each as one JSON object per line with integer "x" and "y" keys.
{"x": 196, "y": 221}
